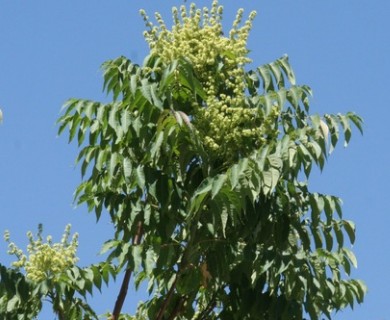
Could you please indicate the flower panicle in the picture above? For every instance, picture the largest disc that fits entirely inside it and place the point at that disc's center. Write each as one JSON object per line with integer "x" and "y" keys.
{"x": 45, "y": 260}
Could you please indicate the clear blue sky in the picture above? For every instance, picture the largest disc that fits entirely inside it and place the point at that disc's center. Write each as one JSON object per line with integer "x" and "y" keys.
{"x": 52, "y": 50}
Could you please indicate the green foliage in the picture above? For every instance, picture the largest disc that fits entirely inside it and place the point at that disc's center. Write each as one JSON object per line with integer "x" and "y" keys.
{"x": 203, "y": 168}
{"x": 16, "y": 300}
{"x": 50, "y": 274}
{"x": 21, "y": 298}
{"x": 230, "y": 234}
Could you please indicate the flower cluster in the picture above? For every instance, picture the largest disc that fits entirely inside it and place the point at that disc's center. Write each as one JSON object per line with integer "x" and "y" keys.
{"x": 232, "y": 132}
{"x": 45, "y": 260}
{"x": 227, "y": 125}
{"x": 198, "y": 37}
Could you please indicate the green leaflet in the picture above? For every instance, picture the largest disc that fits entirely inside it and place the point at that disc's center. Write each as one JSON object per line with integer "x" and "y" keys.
{"x": 127, "y": 168}
{"x": 349, "y": 227}
{"x": 236, "y": 171}
{"x": 140, "y": 176}
{"x": 217, "y": 184}
{"x": 275, "y": 74}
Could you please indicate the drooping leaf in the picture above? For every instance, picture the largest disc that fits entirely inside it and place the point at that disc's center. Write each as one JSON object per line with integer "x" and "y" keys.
{"x": 217, "y": 184}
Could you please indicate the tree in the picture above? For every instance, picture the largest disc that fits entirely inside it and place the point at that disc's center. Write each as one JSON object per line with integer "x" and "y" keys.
{"x": 202, "y": 166}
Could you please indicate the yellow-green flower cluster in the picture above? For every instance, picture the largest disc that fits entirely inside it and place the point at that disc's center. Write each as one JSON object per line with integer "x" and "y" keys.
{"x": 198, "y": 36}
{"x": 45, "y": 260}
{"x": 225, "y": 122}
{"x": 232, "y": 132}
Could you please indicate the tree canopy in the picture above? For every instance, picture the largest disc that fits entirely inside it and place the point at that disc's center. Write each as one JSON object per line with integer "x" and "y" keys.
{"x": 203, "y": 165}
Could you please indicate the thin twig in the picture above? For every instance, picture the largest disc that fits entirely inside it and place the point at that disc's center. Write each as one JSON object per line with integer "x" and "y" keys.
{"x": 126, "y": 279}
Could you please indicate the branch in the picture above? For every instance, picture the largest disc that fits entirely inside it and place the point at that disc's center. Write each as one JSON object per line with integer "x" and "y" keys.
{"x": 204, "y": 315}
{"x": 170, "y": 293}
{"x": 183, "y": 264}
{"x": 125, "y": 283}
{"x": 56, "y": 302}
{"x": 60, "y": 313}
{"x": 167, "y": 300}
{"x": 178, "y": 308}
{"x": 210, "y": 307}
